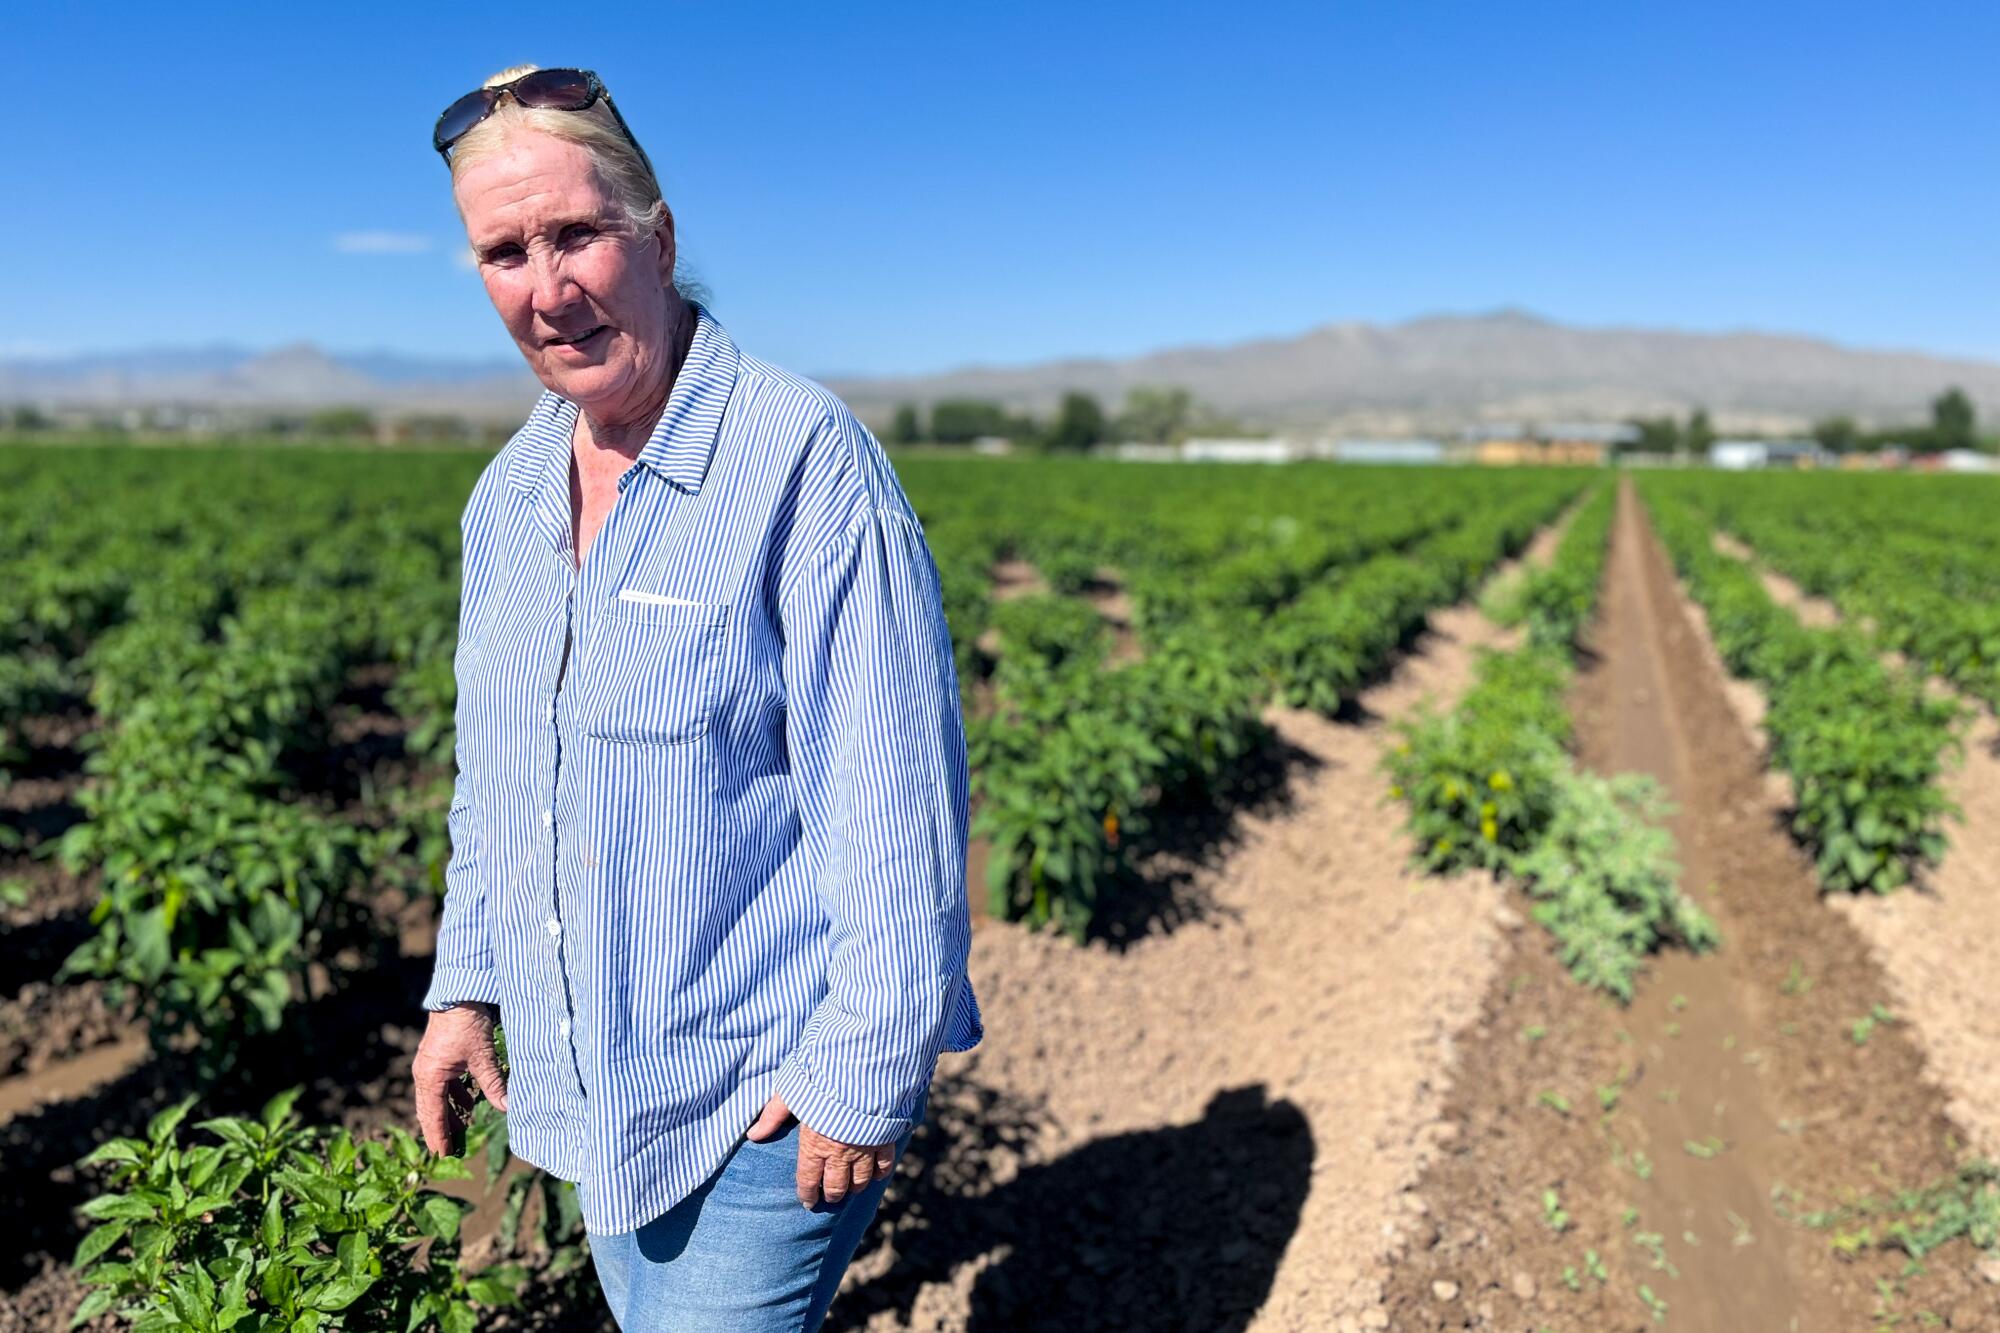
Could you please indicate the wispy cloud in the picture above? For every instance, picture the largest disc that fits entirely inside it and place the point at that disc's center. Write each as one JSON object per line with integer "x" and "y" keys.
{"x": 381, "y": 243}
{"x": 34, "y": 351}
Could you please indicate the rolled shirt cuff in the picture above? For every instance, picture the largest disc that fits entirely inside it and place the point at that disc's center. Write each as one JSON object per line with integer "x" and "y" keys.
{"x": 818, "y": 1109}
{"x": 459, "y": 985}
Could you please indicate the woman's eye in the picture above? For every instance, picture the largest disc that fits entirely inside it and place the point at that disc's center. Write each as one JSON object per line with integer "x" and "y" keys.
{"x": 503, "y": 254}
{"x": 573, "y": 235}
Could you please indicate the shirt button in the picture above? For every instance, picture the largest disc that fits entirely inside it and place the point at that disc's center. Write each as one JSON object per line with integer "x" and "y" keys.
{"x": 552, "y": 710}
{"x": 548, "y": 818}
{"x": 563, "y": 1027}
{"x": 554, "y": 927}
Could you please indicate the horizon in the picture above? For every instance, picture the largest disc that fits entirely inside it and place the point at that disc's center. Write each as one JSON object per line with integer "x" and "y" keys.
{"x": 510, "y": 362}
{"x": 897, "y": 191}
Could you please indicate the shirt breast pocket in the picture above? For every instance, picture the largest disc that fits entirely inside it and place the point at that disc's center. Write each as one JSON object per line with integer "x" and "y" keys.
{"x": 657, "y": 668}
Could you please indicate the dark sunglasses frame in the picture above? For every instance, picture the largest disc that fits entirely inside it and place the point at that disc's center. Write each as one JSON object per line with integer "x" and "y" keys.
{"x": 489, "y": 98}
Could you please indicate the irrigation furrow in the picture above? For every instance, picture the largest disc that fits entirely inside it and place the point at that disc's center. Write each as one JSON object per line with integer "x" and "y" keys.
{"x": 1613, "y": 1162}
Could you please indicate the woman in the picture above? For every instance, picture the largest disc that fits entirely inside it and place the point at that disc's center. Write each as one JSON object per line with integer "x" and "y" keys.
{"x": 708, "y": 832}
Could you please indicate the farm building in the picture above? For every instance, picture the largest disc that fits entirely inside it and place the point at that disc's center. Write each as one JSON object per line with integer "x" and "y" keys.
{"x": 1747, "y": 455}
{"x": 1564, "y": 443}
{"x": 1239, "y": 451}
{"x": 1407, "y": 452}
{"x": 1585, "y": 443}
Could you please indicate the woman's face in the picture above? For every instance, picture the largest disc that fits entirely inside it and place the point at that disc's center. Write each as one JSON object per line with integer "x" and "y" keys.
{"x": 584, "y": 297}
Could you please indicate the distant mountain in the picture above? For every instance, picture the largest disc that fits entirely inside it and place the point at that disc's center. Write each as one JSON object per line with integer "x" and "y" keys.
{"x": 1442, "y": 372}
{"x": 1431, "y": 374}
{"x": 297, "y": 376}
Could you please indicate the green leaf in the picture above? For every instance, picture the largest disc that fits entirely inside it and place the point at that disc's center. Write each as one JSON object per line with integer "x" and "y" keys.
{"x": 338, "y": 1294}
{"x": 438, "y": 1215}
{"x": 353, "y": 1252}
{"x": 95, "y": 1304}
{"x": 116, "y": 1150}
{"x": 128, "y": 1207}
{"x": 273, "y": 1226}
{"x": 161, "y": 1127}
{"x": 98, "y": 1241}
{"x": 150, "y": 946}
{"x": 489, "y": 1289}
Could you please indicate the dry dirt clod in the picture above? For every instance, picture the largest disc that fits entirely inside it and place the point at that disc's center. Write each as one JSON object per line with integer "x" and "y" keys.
{"x": 1444, "y": 1290}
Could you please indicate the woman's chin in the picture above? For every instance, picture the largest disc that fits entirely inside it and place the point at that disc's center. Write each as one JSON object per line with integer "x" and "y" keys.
{"x": 580, "y": 383}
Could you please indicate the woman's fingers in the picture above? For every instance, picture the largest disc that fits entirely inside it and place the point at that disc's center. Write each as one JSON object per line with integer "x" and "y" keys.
{"x": 433, "y": 1108}
{"x": 485, "y": 1067}
{"x": 831, "y": 1170}
{"x": 836, "y": 1177}
{"x": 811, "y": 1173}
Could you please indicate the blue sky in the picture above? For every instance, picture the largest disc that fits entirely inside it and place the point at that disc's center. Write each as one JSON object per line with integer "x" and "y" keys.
{"x": 885, "y": 188}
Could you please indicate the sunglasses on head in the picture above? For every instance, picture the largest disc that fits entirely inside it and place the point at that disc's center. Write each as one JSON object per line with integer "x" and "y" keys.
{"x": 543, "y": 89}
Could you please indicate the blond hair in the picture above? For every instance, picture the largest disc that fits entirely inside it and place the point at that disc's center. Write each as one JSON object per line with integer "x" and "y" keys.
{"x": 620, "y": 164}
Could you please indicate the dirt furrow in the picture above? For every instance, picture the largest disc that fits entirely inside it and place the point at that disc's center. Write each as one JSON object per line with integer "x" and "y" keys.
{"x": 1671, "y": 1145}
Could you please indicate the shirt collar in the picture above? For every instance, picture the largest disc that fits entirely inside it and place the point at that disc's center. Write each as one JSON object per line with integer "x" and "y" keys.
{"x": 683, "y": 440}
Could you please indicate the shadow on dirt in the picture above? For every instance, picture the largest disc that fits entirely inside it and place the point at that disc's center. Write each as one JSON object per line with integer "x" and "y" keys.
{"x": 1159, "y": 893}
{"x": 1170, "y": 1228}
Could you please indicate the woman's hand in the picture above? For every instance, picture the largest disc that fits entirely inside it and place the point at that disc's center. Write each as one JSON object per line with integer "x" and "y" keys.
{"x": 456, "y": 1041}
{"x": 828, "y": 1168}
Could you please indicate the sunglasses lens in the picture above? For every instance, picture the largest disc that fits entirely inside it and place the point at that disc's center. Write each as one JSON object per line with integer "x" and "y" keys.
{"x": 461, "y": 116}
{"x": 560, "y": 89}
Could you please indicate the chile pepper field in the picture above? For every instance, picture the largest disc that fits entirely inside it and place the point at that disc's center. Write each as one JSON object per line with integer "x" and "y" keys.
{"x": 1406, "y": 898}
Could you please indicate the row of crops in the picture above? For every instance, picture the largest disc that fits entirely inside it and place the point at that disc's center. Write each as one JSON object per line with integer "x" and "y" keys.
{"x": 1863, "y": 741}
{"x": 1916, "y": 562}
{"x": 261, "y": 644}
{"x": 1245, "y": 590}
{"x": 1492, "y": 785}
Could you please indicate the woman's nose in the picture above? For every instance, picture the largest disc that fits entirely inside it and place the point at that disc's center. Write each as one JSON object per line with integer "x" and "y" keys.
{"x": 554, "y": 288}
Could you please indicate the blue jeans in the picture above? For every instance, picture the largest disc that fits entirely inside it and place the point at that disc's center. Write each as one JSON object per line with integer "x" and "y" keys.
{"x": 740, "y": 1254}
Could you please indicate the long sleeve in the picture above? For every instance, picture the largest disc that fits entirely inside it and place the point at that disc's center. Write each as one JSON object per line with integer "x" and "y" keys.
{"x": 463, "y": 968}
{"x": 876, "y": 746}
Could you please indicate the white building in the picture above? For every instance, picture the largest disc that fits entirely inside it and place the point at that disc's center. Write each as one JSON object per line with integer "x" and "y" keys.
{"x": 1743, "y": 455}
{"x": 1239, "y": 451}
{"x": 1966, "y": 460}
{"x": 1405, "y": 452}
{"x": 1739, "y": 455}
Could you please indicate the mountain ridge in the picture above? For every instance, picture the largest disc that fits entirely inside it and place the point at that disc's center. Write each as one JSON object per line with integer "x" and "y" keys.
{"x": 1442, "y": 371}
{"x": 1433, "y": 372}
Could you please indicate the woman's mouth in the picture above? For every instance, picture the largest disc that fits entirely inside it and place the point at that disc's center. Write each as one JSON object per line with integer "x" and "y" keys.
{"x": 578, "y": 339}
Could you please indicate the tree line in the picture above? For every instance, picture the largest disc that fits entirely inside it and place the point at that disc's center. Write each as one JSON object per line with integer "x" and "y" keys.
{"x": 1150, "y": 415}
{"x": 1953, "y": 424}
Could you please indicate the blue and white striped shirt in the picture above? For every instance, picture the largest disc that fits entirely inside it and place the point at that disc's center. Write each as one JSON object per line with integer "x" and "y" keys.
{"x": 708, "y": 832}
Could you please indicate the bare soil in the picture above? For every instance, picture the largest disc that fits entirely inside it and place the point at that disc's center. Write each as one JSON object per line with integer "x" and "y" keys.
{"x": 42, "y": 1021}
{"x": 1735, "y": 1074}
